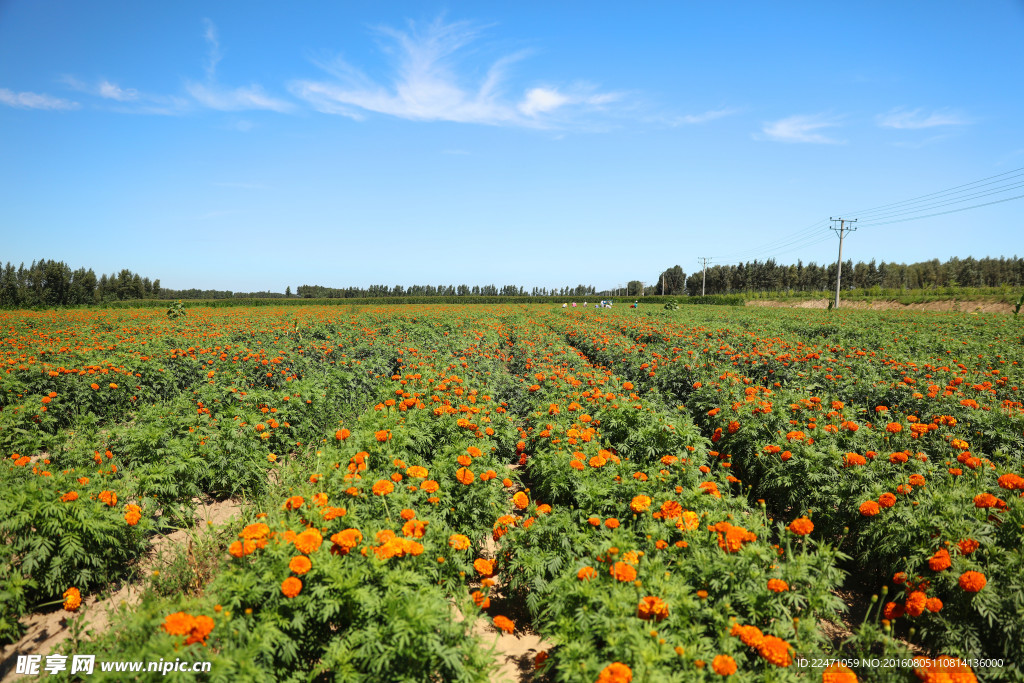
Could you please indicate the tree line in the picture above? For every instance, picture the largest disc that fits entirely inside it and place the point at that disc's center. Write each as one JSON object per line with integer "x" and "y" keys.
{"x": 769, "y": 276}
{"x": 381, "y": 291}
{"x": 53, "y": 283}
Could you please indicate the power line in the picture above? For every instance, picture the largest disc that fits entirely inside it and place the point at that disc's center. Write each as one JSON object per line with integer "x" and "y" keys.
{"x": 934, "y": 194}
{"x": 943, "y": 213}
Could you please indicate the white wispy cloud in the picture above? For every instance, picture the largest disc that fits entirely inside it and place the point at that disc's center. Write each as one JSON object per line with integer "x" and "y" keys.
{"x": 693, "y": 119}
{"x": 914, "y": 119}
{"x": 112, "y": 91}
{"x": 129, "y": 100}
{"x": 213, "y": 95}
{"x": 32, "y": 100}
{"x": 801, "y": 129}
{"x": 428, "y": 84}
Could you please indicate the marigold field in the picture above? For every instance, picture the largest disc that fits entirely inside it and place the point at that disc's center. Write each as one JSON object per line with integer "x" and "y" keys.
{"x": 663, "y": 496}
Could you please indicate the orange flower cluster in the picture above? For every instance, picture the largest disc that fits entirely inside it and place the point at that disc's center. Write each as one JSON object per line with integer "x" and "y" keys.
{"x": 394, "y": 546}
{"x": 616, "y": 672}
{"x": 801, "y": 526}
{"x": 504, "y": 623}
{"x": 943, "y": 670}
{"x": 731, "y": 538}
{"x": 972, "y": 581}
{"x": 344, "y": 541}
{"x": 132, "y": 514}
{"x": 652, "y": 607}
{"x": 197, "y": 628}
{"x": 254, "y": 537}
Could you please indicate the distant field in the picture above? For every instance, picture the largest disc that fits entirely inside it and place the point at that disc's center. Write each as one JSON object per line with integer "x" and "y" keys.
{"x": 379, "y": 492}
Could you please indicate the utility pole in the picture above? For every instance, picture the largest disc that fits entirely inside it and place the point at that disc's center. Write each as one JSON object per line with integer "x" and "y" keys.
{"x": 704, "y": 271}
{"x": 839, "y": 263}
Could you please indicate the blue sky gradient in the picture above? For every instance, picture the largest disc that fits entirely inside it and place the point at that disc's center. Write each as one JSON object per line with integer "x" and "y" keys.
{"x": 253, "y": 146}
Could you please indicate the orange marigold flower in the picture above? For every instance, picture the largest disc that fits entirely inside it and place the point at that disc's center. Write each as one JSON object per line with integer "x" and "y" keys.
{"x": 330, "y": 513}
{"x": 853, "y": 459}
{"x": 750, "y": 635}
{"x": 892, "y": 610}
{"x": 254, "y": 532}
{"x": 133, "y": 514}
{"x": 894, "y": 427}
{"x": 300, "y": 564}
{"x": 775, "y": 650}
{"x": 94, "y": 386}
{"x": 178, "y": 624}
{"x": 72, "y": 599}
{"x": 417, "y": 472}
{"x": 342, "y": 434}
{"x": 483, "y": 567}
{"x": 504, "y": 623}
{"x": 1011, "y": 482}
{"x": 777, "y": 585}
{"x": 481, "y": 600}
{"x": 294, "y": 503}
{"x": 723, "y": 665}
{"x": 291, "y": 587}
{"x": 972, "y": 581}
{"x": 108, "y": 497}
{"x": 69, "y": 497}
{"x": 801, "y": 526}
{"x": 887, "y": 500}
{"x": 308, "y": 541}
{"x": 611, "y": 523}
{"x": 652, "y": 607}
{"x": 967, "y": 546}
{"x": 202, "y": 625}
{"x": 458, "y": 541}
{"x": 464, "y": 475}
{"x": 616, "y": 672}
{"x": 520, "y": 500}
{"x": 869, "y": 508}
{"x": 383, "y": 435}
{"x": 383, "y": 488}
{"x": 586, "y": 574}
{"x": 916, "y": 602}
{"x": 345, "y": 540}
{"x": 623, "y": 572}
{"x": 640, "y": 503}
{"x": 837, "y": 673}
{"x": 933, "y": 604}
{"x": 940, "y": 561}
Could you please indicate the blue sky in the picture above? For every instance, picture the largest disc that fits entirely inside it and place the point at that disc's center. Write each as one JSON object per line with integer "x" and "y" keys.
{"x": 253, "y": 146}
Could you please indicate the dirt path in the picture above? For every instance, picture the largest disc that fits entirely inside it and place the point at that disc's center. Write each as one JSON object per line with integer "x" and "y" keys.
{"x": 46, "y": 630}
{"x": 948, "y": 305}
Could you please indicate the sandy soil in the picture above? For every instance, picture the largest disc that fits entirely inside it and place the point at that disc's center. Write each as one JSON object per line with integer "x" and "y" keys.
{"x": 46, "y": 630}
{"x": 949, "y": 305}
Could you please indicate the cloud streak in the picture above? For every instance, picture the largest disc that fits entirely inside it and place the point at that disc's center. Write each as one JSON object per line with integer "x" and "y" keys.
{"x": 426, "y": 85}
{"x": 32, "y": 100}
{"x": 212, "y": 95}
{"x": 696, "y": 119}
{"x": 801, "y": 128}
{"x": 916, "y": 119}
